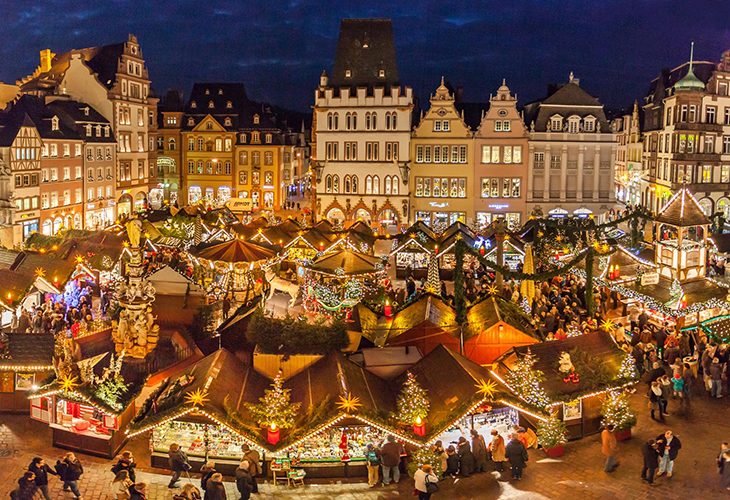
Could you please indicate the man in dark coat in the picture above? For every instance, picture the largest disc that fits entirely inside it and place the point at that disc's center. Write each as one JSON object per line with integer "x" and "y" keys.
{"x": 651, "y": 461}
{"x": 216, "y": 490}
{"x": 126, "y": 462}
{"x": 244, "y": 483}
{"x": 479, "y": 449}
{"x": 466, "y": 457}
{"x": 390, "y": 454}
{"x": 516, "y": 453}
{"x": 138, "y": 491}
{"x": 668, "y": 446}
{"x": 70, "y": 470}
{"x": 178, "y": 462}
{"x": 41, "y": 470}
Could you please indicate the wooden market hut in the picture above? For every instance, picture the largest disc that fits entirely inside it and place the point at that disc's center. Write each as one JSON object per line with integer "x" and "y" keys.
{"x": 26, "y": 360}
{"x": 413, "y": 249}
{"x": 494, "y": 325}
{"x": 169, "y": 413}
{"x": 599, "y": 351}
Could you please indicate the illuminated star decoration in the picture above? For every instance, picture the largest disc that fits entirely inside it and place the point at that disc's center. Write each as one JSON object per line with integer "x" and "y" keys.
{"x": 608, "y": 326}
{"x": 40, "y": 272}
{"x": 492, "y": 290}
{"x": 486, "y": 388}
{"x": 196, "y": 398}
{"x": 349, "y": 404}
{"x": 69, "y": 383}
{"x": 79, "y": 258}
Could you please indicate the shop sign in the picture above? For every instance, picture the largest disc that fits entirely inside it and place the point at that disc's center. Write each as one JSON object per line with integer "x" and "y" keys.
{"x": 573, "y": 410}
{"x": 90, "y": 206}
{"x": 649, "y": 279}
{"x": 498, "y": 206}
{"x": 438, "y": 204}
{"x": 240, "y": 204}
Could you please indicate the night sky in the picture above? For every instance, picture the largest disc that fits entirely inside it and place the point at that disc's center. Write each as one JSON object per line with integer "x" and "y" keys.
{"x": 278, "y": 49}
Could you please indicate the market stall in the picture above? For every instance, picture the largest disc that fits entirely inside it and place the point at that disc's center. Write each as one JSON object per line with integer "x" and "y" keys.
{"x": 26, "y": 360}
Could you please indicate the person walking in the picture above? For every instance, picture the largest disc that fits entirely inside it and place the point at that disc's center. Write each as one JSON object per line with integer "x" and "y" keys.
{"x": 244, "y": 482}
{"x": 609, "y": 447}
{"x": 655, "y": 396}
{"x": 668, "y": 446}
{"x": 688, "y": 376}
{"x": 178, "y": 462}
{"x": 390, "y": 454}
{"x": 207, "y": 470}
{"x": 138, "y": 491}
{"x": 373, "y": 464}
{"x": 426, "y": 482}
{"x": 216, "y": 490}
{"x": 121, "y": 485}
{"x": 651, "y": 461}
{"x": 726, "y": 472}
{"x": 666, "y": 386}
{"x": 126, "y": 462}
{"x": 496, "y": 448}
{"x": 516, "y": 453}
{"x": 254, "y": 467}
{"x": 479, "y": 449}
{"x": 70, "y": 471}
{"x": 27, "y": 489}
{"x": 466, "y": 457}
{"x": 41, "y": 470}
{"x": 721, "y": 457}
{"x": 715, "y": 378}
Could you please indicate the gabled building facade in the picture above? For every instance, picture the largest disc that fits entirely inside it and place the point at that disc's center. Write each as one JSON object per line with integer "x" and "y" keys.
{"x": 442, "y": 171}
{"x": 361, "y": 131}
{"x": 629, "y": 165}
{"x": 113, "y": 80}
{"x": 500, "y": 163}
{"x": 169, "y": 150}
{"x": 572, "y": 154}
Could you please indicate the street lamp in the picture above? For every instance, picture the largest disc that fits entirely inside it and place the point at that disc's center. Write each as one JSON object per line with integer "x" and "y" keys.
{"x": 318, "y": 168}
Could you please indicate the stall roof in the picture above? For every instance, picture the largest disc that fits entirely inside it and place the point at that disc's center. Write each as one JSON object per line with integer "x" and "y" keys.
{"x": 598, "y": 344}
{"x": 234, "y": 251}
{"x": 29, "y": 350}
{"x": 682, "y": 211}
{"x": 490, "y": 311}
{"x": 353, "y": 263}
{"x": 722, "y": 242}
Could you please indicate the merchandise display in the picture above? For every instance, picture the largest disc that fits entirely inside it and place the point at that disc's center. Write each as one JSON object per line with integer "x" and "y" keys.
{"x": 338, "y": 444}
{"x": 192, "y": 440}
{"x": 412, "y": 260}
{"x": 501, "y": 419}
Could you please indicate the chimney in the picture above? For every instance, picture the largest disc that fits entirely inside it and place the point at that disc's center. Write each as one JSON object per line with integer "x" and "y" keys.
{"x": 46, "y": 57}
{"x": 459, "y": 93}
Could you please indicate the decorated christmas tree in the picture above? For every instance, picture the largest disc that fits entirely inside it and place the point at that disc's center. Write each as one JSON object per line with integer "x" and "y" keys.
{"x": 628, "y": 368}
{"x": 423, "y": 456}
{"x": 552, "y": 432}
{"x": 526, "y": 381}
{"x": 413, "y": 402}
{"x": 676, "y": 288}
{"x": 274, "y": 408}
{"x": 616, "y": 410}
{"x": 198, "y": 231}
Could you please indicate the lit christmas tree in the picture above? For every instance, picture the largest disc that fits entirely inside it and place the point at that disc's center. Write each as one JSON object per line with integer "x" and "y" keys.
{"x": 628, "y": 368}
{"x": 433, "y": 284}
{"x": 676, "y": 288}
{"x": 274, "y": 408}
{"x": 198, "y": 231}
{"x": 552, "y": 432}
{"x": 526, "y": 381}
{"x": 616, "y": 410}
{"x": 413, "y": 402}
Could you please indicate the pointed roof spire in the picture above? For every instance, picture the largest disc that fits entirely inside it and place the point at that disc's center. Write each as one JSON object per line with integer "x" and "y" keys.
{"x": 690, "y": 80}
{"x": 570, "y": 77}
{"x": 442, "y": 79}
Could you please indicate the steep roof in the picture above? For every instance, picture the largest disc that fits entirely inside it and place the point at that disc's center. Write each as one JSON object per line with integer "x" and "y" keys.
{"x": 683, "y": 211}
{"x": 365, "y": 47}
{"x": 42, "y": 118}
{"x": 352, "y": 263}
{"x": 702, "y": 70}
{"x": 29, "y": 350}
{"x": 569, "y": 99}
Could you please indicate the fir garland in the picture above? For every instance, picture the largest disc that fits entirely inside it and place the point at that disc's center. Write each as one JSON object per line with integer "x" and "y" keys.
{"x": 459, "y": 286}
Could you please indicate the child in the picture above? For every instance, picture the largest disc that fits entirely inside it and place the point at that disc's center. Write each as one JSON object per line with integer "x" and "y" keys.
{"x": 678, "y": 385}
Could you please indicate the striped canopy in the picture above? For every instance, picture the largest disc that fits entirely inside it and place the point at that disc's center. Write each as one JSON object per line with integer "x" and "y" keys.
{"x": 236, "y": 251}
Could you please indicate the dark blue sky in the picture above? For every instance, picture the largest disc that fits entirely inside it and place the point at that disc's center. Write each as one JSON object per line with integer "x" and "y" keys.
{"x": 278, "y": 49}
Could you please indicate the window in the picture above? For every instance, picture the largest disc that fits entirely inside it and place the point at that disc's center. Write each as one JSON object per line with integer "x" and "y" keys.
{"x": 350, "y": 151}
{"x": 437, "y": 156}
{"x": 191, "y": 167}
{"x": 722, "y": 89}
{"x": 66, "y": 173}
{"x": 709, "y": 144}
{"x": 368, "y": 185}
{"x": 516, "y": 154}
{"x": 227, "y": 121}
{"x": 211, "y": 105}
{"x": 348, "y": 73}
{"x": 269, "y": 158}
{"x": 77, "y": 172}
{"x": 354, "y": 184}
{"x": 54, "y": 175}
{"x": 54, "y": 150}
{"x": 140, "y": 143}
{"x": 242, "y": 138}
{"x": 462, "y": 154}
{"x": 44, "y": 149}
{"x": 229, "y": 105}
{"x": 391, "y": 151}
{"x": 44, "y": 200}
{"x": 255, "y": 158}
{"x": 394, "y": 121}
{"x": 54, "y": 199}
{"x": 191, "y": 121}
{"x": 556, "y": 123}
{"x": 706, "y": 173}
{"x": 495, "y": 154}
{"x": 725, "y": 173}
{"x": 683, "y": 113}
{"x": 371, "y": 151}
{"x": 243, "y": 177}
{"x": 727, "y": 116}
{"x": 454, "y": 154}
{"x": 437, "y": 126}
{"x": 376, "y": 184}
{"x": 66, "y": 150}
{"x": 228, "y": 168}
{"x": 328, "y": 184}
{"x": 330, "y": 121}
{"x": 692, "y": 113}
{"x": 711, "y": 114}
{"x": 243, "y": 157}
{"x": 201, "y": 144}
{"x": 331, "y": 151}
{"x": 486, "y": 154}
{"x": 590, "y": 124}
{"x": 269, "y": 137}
{"x": 219, "y": 144}
{"x": 255, "y": 178}
{"x": 77, "y": 196}
{"x": 573, "y": 125}
{"x": 507, "y": 154}
{"x": 347, "y": 185}
{"x": 255, "y": 137}
{"x": 539, "y": 159}
{"x": 172, "y": 144}
{"x": 726, "y": 144}
{"x": 555, "y": 162}
{"x": 209, "y": 168}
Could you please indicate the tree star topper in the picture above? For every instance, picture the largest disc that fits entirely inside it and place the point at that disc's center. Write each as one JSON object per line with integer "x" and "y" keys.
{"x": 486, "y": 388}
{"x": 349, "y": 404}
{"x": 608, "y": 326}
{"x": 40, "y": 272}
{"x": 196, "y": 398}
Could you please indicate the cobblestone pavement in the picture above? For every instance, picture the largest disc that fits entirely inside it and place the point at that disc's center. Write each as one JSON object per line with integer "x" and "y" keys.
{"x": 576, "y": 475}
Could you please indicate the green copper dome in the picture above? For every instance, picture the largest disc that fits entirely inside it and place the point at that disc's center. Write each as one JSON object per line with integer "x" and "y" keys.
{"x": 690, "y": 80}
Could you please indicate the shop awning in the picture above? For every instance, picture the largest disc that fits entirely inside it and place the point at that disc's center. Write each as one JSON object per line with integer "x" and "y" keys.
{"x": 235, "y": 251}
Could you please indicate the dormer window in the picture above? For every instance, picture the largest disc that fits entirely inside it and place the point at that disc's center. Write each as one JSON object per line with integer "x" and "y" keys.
{"x": 256, "y": 119}
{"x": 220, "y": 91}
{"x": 227, "y": 122}
{"x": 268, "y": 138}
{"x": 242, "y": 138}
{"x": 590, "y": 124}
{"x": 86, "y": 111}
{"x": 208, "y": 126}
{"x": 98, "y": 131}
{"x": 88, "y": 130}
{"x": 191, "y": 122}
{"x": 348, "y": 73}
{"x": 381, "y": 73}
{"x": 229, "y": 105}
{"x": 106, "y": 131}
{"x": 211, "y": 105}
{"x": 573, "y": 124}
{"x": 255, "y": 137}
{"x": 193, "y": 105}
{"x": 556, "y": 123}
{"x": 207, "y": 92}
{"x": 54, "y": 123}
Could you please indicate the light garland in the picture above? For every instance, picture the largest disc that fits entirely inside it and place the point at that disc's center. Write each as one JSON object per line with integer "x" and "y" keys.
{"x": 596, "y": 393}
{"x": 75, "y": 395}
{"x": 158, "y": 424}
{"x": 26, "y": 368}
{"x": 526, "y": 381}
{"x": 523, "y": 410}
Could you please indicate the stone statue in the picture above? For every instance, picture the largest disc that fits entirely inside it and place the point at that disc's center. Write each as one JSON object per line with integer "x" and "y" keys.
{"x": 134, "y": 232}
{"x": 140, "y": 325}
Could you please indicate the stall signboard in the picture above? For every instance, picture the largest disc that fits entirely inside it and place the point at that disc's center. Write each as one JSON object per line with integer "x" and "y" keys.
{"x": 240, "y": 204}
{"x": 649, "y": 279}
{"x": 573, "y": 410}
{"x": 111, "y": 422}
{"x": 281, "y": 464}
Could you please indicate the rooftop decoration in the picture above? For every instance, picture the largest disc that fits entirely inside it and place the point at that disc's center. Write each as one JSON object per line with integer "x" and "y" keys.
{"x": 526, "y": 381}
{"x": 413, "y": 403}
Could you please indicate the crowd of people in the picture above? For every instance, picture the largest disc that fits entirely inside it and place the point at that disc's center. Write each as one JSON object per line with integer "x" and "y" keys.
{"x": 58, "y": 314}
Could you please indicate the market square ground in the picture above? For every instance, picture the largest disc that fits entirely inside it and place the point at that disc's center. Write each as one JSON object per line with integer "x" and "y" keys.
{"x": 578, "y": 474}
